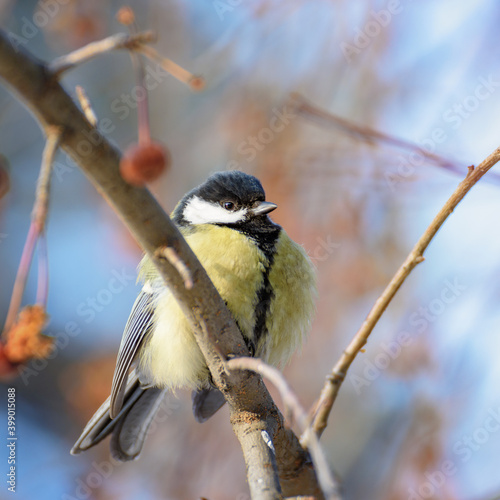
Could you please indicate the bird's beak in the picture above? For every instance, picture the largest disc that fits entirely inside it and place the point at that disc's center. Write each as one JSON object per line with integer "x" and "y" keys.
{"x": 264, "y": 207}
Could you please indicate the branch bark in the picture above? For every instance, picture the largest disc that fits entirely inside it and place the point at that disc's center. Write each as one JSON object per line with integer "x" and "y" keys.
{"x": 295, "y": 411}
{"x": 115, "y": 42}
{"x": 252, "y": 408}
{"x": 331, "y": 388}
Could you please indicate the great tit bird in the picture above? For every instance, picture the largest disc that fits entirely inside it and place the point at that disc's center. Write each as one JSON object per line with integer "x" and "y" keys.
{"x": 266, "y": 280}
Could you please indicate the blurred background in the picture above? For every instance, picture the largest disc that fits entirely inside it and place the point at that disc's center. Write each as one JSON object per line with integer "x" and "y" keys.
{"x": 419, "y": 414}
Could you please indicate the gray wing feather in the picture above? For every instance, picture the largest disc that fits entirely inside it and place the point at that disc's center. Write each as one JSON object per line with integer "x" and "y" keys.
{"x": 100, "y": 425}
{"x": 139, "y": 324}
{"x": 206, "y": 402}
{"x": 129, "y": 428}
{"x": 132, "y": 427}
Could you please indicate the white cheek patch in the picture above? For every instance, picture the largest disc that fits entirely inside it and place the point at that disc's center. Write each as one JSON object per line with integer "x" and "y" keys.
{"x": 200, "y": 211}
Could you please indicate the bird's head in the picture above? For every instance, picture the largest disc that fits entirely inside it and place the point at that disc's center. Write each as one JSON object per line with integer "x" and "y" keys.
{"x": 225, "y": 198}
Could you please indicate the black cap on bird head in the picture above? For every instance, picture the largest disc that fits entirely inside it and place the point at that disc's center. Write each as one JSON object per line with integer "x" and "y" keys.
{"x": 233, "y": 183}
{"x": 224, "y": 198}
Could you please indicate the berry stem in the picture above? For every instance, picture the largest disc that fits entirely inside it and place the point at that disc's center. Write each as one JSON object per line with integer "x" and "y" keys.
{"x": 144, "y": 131}
{"x": 36, "y": 229}
{"x": 183, "y": 75}
{"x": 126, "y": 16}
{"x": 21, "y": 277}
{"x": 42, "y": 292}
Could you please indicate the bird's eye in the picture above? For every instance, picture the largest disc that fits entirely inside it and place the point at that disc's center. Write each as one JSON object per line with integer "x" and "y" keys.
{"x": 228, "y": 205}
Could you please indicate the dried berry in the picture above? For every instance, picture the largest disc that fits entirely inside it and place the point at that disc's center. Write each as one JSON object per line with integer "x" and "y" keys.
{"x": 197, "y": 83}
{"x": 144, "y": 163}
{"x": 25, "y": 339}
{"x": 125, "y": 16}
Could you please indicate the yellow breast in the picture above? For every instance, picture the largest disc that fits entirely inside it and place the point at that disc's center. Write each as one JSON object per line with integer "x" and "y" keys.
{"x": 236, "y": 267}
{"x": 293, "y": 280}
{"x": 171, "y": 357}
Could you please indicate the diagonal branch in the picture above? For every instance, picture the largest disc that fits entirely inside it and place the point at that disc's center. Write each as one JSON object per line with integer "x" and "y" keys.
{"x": 184, "y": 76}
{"x": 252, "y": 408}
{"x": 114, "y": 42}
{"x": 331, "y": 388}
{"x": 329, "y": 120}
{"x": 325, "y": 477}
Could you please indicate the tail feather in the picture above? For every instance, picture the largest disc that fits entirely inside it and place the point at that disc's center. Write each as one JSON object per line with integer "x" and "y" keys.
{"x": 206, "y": 402}
{"x": 129, "y": 428}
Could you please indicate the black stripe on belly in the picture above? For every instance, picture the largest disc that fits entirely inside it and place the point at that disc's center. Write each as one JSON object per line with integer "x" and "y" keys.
{"x": 266, "y": 242}
{"x": 264, "y": 297}
{"x": 264, "y": 233}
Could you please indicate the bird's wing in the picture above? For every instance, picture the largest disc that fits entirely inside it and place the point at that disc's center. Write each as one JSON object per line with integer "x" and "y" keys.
{"x": 100, "y": 425}
{"x": 129, "y": 428}
{"x": 139, "y": 325}
{"x": 134, "y": 420}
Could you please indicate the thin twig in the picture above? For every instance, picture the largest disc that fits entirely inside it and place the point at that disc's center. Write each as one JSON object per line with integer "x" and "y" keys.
{"x": 42, "y": 292}
{"x": 318, "y": 115}
{"x": 183, "y": 75}
{"x": 21, "y": 277}
{"x": 37, "y": 227}
{"x": 173, "y": 257}
{"x": 290, "y": 400}
{"x": 86, "y": 106}
{"x": 41, "y": 206}
{"x": 143, "y": 127}
{"x": 331, "y": 388}
{"x": 114, "y": 42}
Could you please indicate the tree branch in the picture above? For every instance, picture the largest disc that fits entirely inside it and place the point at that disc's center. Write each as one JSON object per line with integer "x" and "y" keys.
{"x": 329, "y": 120}
{"x": 331, "y": 388}
{"x": 252, "y": 408}
{"x": 295, "y": 409}
{"x": 114, "y": 42}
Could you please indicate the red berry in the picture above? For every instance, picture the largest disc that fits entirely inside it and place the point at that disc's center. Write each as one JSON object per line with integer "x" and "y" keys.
{"x": 125, "y": 16}
{"x": 144, "y": 163}
{"x": 197, "y": 83}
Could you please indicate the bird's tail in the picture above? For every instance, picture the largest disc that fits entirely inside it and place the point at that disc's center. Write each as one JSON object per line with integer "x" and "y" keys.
{"x": 129, "y": 428}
